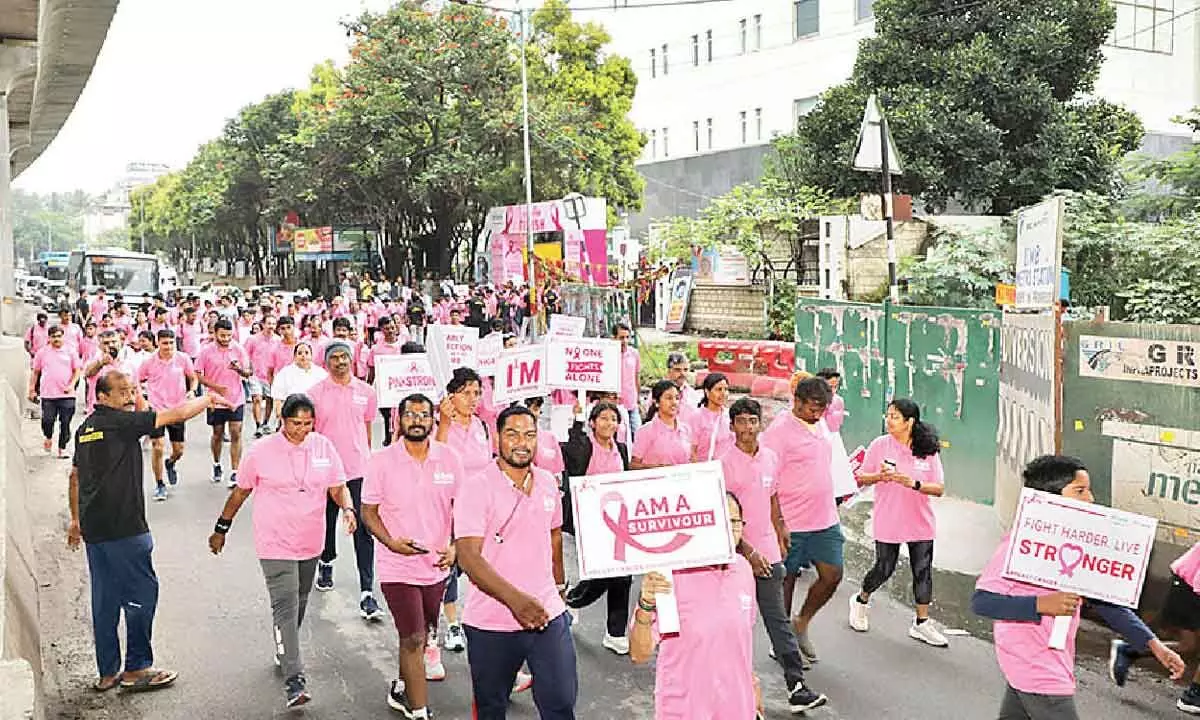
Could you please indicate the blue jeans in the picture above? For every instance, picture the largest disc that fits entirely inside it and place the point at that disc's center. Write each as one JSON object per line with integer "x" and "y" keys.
{"x": 635, "y": 422}
{"x": 364, "y": 544}
{"x": 123, "y": 579}
{"x": 495, "y": 657}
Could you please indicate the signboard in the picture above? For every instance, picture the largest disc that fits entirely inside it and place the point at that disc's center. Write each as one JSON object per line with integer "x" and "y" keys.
{"x": 666, "y": 518}
{"x": 679, "y": 295}
{"x": 1156, "y": 472}
{"x": 1039, "y": 255}
{"x": 489, "y": 350}
{"x": 1070, "y": 546}
{"x": 398, "y": 376}
{"x": 566, "y": 326}
{"x": 1006, "y": 294}
{"x": 584, "y": 364}
{"x": 450, "y": 347}
{"x": 1028, "y": 408}
{"x": 521, "y": 373}
{"x": 1164, "y": 362}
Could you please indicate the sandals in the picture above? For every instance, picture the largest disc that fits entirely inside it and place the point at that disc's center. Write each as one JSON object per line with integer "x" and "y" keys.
{"x": 150, "y": 680}
{"x": 102, "y": 685}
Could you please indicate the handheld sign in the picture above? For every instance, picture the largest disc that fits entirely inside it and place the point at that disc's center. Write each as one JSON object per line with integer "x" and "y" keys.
{"x": 584, "y": 364}
{"x": 1070, "y": 546}
{"x": 661, "y": 519}
{"x": 489, "y": 351}
{"x": 520, "y": 373}
{"x": 566, "y": 326}
{"x": 398, "y": 376}
{"x": 450, "y": 347}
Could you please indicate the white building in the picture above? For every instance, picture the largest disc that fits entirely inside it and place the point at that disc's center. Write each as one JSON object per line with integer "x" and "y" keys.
{"x": 111, "y": 210}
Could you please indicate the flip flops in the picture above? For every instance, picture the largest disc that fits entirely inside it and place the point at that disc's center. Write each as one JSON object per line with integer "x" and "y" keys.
{"x": 150, "y": 680}
{"x": 105, "y": 684}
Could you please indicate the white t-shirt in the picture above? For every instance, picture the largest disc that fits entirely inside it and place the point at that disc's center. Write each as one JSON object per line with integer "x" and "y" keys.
{"x": 294, "y": 379}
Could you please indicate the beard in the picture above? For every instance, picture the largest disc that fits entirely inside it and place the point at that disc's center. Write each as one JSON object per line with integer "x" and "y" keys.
{"x": 416, "y": 433}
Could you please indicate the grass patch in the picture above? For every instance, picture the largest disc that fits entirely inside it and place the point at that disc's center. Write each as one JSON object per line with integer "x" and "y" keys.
{"x": 654, "y": 359}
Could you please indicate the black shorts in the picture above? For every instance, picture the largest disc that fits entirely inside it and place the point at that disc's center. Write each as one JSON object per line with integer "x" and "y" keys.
{"x": 175, "y": 431}
{"x": 220, "y": 416}
{"x": 1181, "y": 609}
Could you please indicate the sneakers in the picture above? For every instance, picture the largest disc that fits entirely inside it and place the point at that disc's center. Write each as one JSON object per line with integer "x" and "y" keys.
{"x": 217, "y": 472}
{"x": 367, "y": 606}
{"x": 297, "y": 695}
{"x": 172, "y": 473}
{"x": 523, "y": 682}
{"x": 397, "y": 700}
{"x": 434, "y": 669}
{"x": 46, "y": 445}
{"x": 62, "y": 453}
{"x": 232, "y": 480}
{"x": 1119, "y": 662}
{"x": 860, "y": 618}
{"x": 807, "y": 650}
{"x": 802, "y": 699}
{"x": 258, "y": 433}
{"x": 928, "y": 634}
{"x": 455, "y": 640}
{"x": 1189, "y": 702}
{"x": 619, "y": 645}
{"x": 160, "y": 493}
{"x": 324, "y": 576}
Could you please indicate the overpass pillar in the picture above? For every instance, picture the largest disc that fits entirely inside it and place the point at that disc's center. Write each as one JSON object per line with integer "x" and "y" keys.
{"x": 14, "y": 60}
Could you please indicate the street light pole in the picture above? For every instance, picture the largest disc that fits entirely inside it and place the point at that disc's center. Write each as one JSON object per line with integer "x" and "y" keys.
{"x": 528, "y": 162}
{"x": 886, "y": 209}
{"x": 142, "y": 224}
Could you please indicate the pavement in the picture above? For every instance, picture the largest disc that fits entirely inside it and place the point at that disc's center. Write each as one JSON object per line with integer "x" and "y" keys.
{"x": 213, "y": 626}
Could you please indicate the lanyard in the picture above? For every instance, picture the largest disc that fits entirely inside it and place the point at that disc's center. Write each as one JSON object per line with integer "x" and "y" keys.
{"x": 512, "y": 513}
{"x": 301, "y": 478}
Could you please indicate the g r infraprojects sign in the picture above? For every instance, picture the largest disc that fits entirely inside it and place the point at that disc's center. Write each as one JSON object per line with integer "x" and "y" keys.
{"x": 1166, "y": 362}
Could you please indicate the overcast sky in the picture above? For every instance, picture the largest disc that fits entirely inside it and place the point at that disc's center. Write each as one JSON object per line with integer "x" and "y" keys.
{"x": 172, "y": 71}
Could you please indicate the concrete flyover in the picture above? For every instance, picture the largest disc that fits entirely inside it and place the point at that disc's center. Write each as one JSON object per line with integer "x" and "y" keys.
{"x": 47, "y": 51}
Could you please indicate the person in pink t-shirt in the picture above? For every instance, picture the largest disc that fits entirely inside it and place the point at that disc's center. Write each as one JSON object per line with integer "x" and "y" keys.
{"x": 1041, "y": 679}
{"x": 261, "y": 348}
{"x": 99, "y": 306}
{"x": 705, "y": 672}
{"x": 508, "y": 521}
{"x": 290, "y": 474}
{"x": 390, "y": 343}
{"x": 806, "y": 499}
{"x": 56, "y": 370}
{"x": 751, "y": 472}
{"x": 191, "y": 331}
{"x": 408, "y": 498}
{"x": 906, "y": 469}
{"x": 835, "y": 414}
{"x": 167, "y": 378}
{"x": 631, "y": 367}
{"x": 285, "y": 350}
{"x": 37, "y": 336}
{"x": 708, "y": 420}
{"x": 90, "y": 342}
{"x": 223, "y": 365}
{"x": 664, "y": 439}
{"x": 549, "y": 454}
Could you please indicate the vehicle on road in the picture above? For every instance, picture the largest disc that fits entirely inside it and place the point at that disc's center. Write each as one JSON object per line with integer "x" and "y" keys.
{"x": 133, "y": 275}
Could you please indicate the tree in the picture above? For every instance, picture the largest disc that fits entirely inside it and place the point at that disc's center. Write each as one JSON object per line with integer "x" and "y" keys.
{"x": 961, "y": 269}
{"x": 988, "y": 103}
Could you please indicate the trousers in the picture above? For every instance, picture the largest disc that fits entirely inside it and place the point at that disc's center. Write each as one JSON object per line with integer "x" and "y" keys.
{"x": 920, "y": 556}
{"x": 61, "y": 409}
{"x": 769, "y": 594}
{"x": 288, "y": 584}
{"x": 364, "y": 546}
{"x": 617, "y": 589}
{"x": 1019, "y": 705}
{"x": 123, "y": 581}
{"x": 495, "y": 657}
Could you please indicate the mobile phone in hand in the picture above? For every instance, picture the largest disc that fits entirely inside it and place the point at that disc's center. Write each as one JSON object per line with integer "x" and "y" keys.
{"x": 421, "y": 549}
{"x": 889, "y": 465}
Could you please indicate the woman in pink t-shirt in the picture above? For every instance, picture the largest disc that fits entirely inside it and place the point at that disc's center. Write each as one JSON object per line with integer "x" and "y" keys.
{"x": 906, "y": 471}
{"x": 664, "y": 439}
{"x": 708, "y": 420}
{"x": 717, "y": 608}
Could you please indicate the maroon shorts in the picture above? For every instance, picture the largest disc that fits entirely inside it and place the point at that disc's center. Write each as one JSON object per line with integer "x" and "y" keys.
{"x": 415, "y": 608}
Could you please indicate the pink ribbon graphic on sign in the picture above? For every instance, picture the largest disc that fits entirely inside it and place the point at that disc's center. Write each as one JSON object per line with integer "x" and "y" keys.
{"x": 1069, "y": 557}
{"x": 620, "y": 529}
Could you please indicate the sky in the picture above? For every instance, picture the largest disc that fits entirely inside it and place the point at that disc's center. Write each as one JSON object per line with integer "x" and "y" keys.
{"x": 170, "y": 74}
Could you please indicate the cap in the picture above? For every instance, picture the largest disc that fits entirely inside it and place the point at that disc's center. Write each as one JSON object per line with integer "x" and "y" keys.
{"x": 335, "y": 347}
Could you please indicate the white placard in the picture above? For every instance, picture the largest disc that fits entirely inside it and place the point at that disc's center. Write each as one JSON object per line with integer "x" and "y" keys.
{"x": 566, "y": 326}
{"x": 520, "y": 373}
{"x": 489, "y": 351}
{"x": 398, "y": 376}
{"x": 450, "y": 347}
{"x": 664, "y": 518}
{"x": 1039, "y": 255}
{"x": 584, "y": 364}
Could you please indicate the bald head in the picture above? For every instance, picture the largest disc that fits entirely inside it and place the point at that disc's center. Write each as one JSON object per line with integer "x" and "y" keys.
{"x": 115, "y": 390}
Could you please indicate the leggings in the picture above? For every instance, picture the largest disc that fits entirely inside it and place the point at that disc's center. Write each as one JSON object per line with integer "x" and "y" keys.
{"x": 920, "y": 556}
{"x": 386, "y": 414}
{"x": 61, "y": 409}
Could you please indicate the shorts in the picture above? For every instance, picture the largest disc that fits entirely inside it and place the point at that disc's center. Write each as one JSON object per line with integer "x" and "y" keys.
{"x": 256, "y": 387}
{"x": 220, "y": 416}
{"x": 414, "y": 608}
{"x": 174, "y": 431}
{"x": 815, "y": 546}
{"x": 1181, "y": 609}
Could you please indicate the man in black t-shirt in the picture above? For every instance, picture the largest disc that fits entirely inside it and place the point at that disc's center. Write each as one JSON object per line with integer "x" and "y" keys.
{"x": 108, "y": 513}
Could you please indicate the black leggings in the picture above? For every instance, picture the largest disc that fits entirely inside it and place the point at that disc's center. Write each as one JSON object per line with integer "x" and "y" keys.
{"x": 920, "y": 557}
{"x": 386, "y": 413}
{"x": 61, "y": 409}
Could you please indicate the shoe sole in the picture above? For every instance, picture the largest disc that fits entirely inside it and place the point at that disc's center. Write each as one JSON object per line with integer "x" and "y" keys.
{"x": 866, "y": 625}
{"x": 372, "y": 617}
{"x": 798, "y": 709}
{"x": 160, "y": 498}
{"x": 1188, "y": 708}
{"x": 301, "y": 699}
{"x": 1112, "y": 663}
{"x": 616, "y": 651}
{"x": 454, "y": 648}
{"x": 918, "y": 638}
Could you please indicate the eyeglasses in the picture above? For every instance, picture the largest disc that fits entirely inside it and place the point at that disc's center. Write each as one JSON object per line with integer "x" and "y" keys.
{"x": 410, "y": 415}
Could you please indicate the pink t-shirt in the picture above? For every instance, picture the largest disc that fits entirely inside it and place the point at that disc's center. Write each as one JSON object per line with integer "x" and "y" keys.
{"x": 752, "y": 480}
{"x": 1022, "y": 648}
{"x": 57, "y": 367}
{"x": 166, "y": 380}
{"x": 191, "y": 334}
{"x": 489, "y": 506}
{"x": 488, "y": 410}
{"x": 631, "y": 365}
{"x": 213, "y": 364}
{"x": 835, "y": 414}
{"x": 549, "y": 454}
{"x": 658, "y": 444}
{"x": 717, "y": 609}
{"x": 38, "y": 337}
{"x": 88, "y": 347}
{"x": 472, "y": 445}
{"x": 1187, "y": 567}
{"x": 343, "y": 412}
{"x": 72, "y": 336}
{"x": 805, "y": 482}
{"x": 381, "y": 348}
{"x": 704, "y": 423}
{"x": 605, "y": 461}
{"x": 290, "y": 484}
{"x": 99, "y": 307}
{"x": 261, "y": 348}
{"x": 902, "y": 514}
{"x": 415, "y": 501}
{"x": 282, "y": 355}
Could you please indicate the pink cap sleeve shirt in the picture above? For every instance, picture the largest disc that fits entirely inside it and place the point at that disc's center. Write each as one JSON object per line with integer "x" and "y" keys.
{"x": 343, "y": 412}
{"x": 902, "y": 514}
{"x": 752, "y": 480}
{"x": 1022, "y": 648}
{"x": 57, "y": 367}
{"x": 290, "y": 483}
{"x": 659, "y": 444}
{"x": 805, "y": 482}
{"x": 213, "y": 364}
{"x": 415, "y": 501}
{"x": 1187, "y": 567}
{"x": 166, "y": 380}
{"x": 489, "y": 506}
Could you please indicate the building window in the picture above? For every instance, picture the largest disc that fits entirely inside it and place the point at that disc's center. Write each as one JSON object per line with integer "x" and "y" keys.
{"x": 653, "y": 63}
{"x": 864, "y": 10}
{"x": 1147, "y": 25}
{"x": 664, "y": 59}
{"x": 696, "y": 134}
{"x": 708, "y": 42}
{"x": 653, "y": 144}
{"x": 695, "y": 51}
{"x": 802, "y": 107}
{"x": 742, "y": 118}
{"x": 758, "y": 124}
{"x": 742, "y": 39}
{"x": 709, "y": 129}
{"x": 666, "y": 148}
{"x": 758, "y": 32}
{"x": 807, "y": 15}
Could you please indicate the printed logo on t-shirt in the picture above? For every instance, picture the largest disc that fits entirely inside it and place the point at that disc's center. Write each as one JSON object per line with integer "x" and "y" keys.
{"x": 922, "y": 465}
{"x": 767, "y": 480}
{"x": 547, "y": 452}
{"x": 548, "y": 504}
{"x": 360, "y": 399}
{"x": 321, "y": 462}
{"x": 442, "y": 478}
{"x": 747, "y": 602}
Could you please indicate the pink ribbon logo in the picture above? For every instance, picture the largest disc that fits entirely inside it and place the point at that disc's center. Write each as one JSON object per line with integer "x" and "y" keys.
{"x": 1069, "y": 557}
{"x": 623, "y": 536}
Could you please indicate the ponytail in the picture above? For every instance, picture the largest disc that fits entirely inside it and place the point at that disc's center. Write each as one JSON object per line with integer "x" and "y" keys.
{"x": 924, "y": 442}
{"x": 656, "y": 393}
{"x": 711, "y": 380}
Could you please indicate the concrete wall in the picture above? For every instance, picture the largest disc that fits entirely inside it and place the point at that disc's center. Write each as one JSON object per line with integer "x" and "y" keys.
{"x": 683, "y": 186}
{"x": 725, "y": 311}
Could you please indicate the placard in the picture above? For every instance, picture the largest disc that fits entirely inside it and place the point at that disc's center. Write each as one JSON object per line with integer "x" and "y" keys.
{"x": 666, "y": 518}
{"x": 566, "y": 326}
{"x": 584, "y": 364}
{"x": 450, "y": 347}
{"x": 398, "y": 376}
{"x": 520, "y": 373}
{"x": 489, "y": 351}
{"x": 1070, "y": 546}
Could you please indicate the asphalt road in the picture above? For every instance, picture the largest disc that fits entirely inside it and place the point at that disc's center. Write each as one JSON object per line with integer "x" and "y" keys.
{"x": 213, "y": 626}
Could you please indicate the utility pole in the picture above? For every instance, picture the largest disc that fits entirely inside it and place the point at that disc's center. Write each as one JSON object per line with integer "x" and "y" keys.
{"x": 528, "y": 164}
{"x": 877, "y": 153}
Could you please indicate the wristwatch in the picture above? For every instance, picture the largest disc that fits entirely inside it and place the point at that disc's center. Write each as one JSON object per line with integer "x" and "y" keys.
{"x": 917, "y": 485}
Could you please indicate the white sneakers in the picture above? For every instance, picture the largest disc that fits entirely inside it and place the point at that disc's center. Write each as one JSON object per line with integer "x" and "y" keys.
{"x": 619, "y": 645}
{"x": 860, "y": 616}
{"x": 434, "y": 669}
{"x": 928, "y": 634}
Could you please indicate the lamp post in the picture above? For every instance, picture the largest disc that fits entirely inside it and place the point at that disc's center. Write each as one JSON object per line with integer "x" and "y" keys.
{"x": 528, "y": 164}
